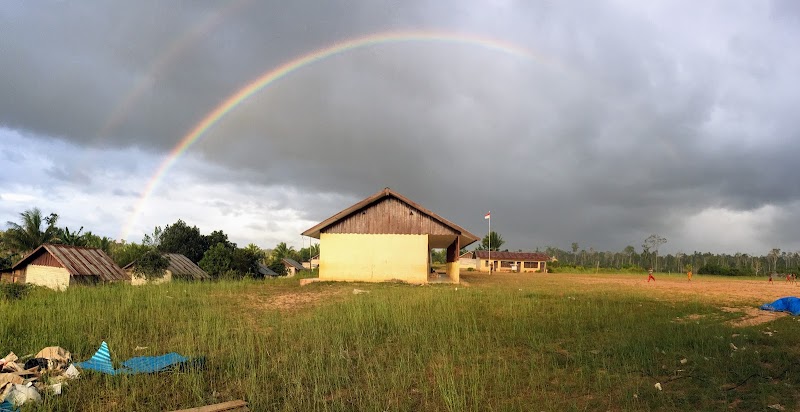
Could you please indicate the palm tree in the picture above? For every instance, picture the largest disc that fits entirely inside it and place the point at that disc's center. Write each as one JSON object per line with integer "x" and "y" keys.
{"x": 72, "y": 238}
{"x": 25, "y": 237}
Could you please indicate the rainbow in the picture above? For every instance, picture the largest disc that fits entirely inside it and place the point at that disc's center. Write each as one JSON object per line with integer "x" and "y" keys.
{"x": 285, "y": 69}
{"x": 165, "y": 60}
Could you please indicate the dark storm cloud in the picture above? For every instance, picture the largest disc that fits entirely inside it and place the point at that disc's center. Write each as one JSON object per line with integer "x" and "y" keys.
{"x": 633, "y": 118}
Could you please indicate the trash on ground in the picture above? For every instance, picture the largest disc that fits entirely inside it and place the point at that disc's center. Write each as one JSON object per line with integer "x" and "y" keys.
{"x": 359, "y": 291}
{"x": 789, "y": 304}
{"x": 101, "y": 362}
{"x": 45, "y": 373}
{"x": 658, "y": 385}
{"x": 41, "y": 373}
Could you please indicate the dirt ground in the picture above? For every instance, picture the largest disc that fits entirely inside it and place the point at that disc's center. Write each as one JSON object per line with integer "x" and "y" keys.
{"x": 742, "y": 296}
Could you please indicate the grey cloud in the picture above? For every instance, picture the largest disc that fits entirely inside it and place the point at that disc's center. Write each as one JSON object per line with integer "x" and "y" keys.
{"x": 633, "y": 117}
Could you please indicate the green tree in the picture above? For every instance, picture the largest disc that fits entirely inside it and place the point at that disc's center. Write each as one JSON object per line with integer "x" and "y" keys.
{"x": 282, "y": 250}
{"x": 496, "y": 241}
{"x": 153, "y": 240}
{"x": 125, "y": 253}
{"x": 65, "y": 237}
{"x": 181, "y": 238}
{"x": 151, "y": 265}
{"x": 216, "y": 237}
{"x": 629, "y": 251}
{"x": 103, "y": 243}
{"x": 28, "y": 235}
{"x": 438, "y": 256}
{"x": 653, "y": 242}
{"x": 217, "y": 260}
{"x": 574, "y": 253}
{"x": 244, "y": 261}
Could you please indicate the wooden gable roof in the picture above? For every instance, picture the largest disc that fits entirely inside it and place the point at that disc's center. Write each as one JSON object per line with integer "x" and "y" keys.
{"x": 388, "y": 212}
{"x": 78, "y": 261}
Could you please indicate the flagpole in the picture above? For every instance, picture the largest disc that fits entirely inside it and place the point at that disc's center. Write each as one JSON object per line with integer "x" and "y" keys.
{"x": 491, "y": 265}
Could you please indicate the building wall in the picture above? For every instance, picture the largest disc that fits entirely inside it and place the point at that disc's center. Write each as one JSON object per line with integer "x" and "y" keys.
{"x": 468, "y": 263}
{"x": 137, "y": 281}
{"x": 49, "y": 276}
{"x": 483, "y": 266}
{"x": 374, "y": 257}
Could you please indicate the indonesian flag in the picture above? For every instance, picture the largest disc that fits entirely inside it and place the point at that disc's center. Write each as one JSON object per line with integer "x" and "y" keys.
{"x": 488, "y": 215}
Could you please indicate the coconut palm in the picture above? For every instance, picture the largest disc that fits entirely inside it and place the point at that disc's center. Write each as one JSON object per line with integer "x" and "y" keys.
{"x": 28, "y": 235}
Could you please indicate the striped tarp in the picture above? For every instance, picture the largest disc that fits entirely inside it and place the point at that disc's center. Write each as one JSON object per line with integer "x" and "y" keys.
{"x": 101, "y": 362}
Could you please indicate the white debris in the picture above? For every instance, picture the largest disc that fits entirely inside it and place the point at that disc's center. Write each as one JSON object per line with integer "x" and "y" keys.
{"x": 733, "y": 347}
{"x": 658, "y": 385}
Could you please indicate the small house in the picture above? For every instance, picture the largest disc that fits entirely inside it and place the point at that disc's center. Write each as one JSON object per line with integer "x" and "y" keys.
{"x": 265, "y": 271}
{"x": 292, "y": 266}
{"x": 60, "y": 266}
{"x": 180, "y": 267}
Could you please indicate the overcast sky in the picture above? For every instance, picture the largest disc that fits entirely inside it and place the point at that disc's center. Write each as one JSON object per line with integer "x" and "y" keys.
{"x": 621, "y": 119}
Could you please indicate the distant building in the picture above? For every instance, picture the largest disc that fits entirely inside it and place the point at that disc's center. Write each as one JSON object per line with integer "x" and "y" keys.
{"x": 312, "y": 263}
{"x": 59, "y": 266}
{"x": 386, "y": 237}
{"x": 507, "y": 261}
{"x": 292, "y": 266}
{"x": 180, "y": 267}
{"x": 265, "y": 271}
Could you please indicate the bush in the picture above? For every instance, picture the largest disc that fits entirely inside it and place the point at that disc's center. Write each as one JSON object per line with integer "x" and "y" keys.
{"x": 13, "y": 291}
{"x": 714, "y": 269}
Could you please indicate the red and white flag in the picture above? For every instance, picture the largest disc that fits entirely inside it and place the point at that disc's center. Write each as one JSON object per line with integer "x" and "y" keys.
{"x": 488, "y": 215}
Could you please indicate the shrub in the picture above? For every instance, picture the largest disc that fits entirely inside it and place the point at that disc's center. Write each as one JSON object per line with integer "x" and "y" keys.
{"x": 12, "y": 291}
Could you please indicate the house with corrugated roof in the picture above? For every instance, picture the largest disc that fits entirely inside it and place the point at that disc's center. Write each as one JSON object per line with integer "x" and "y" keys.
{"x": 265, "y": 271}
{"x": 180, "y": 267}
{"x": 60, "y": 266}
{"x": 292, "y": 266}
{"x": 387, "y": 237}
{"x": 485, "y": 261}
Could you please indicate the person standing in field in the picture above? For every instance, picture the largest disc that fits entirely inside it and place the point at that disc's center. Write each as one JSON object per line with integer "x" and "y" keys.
{"x": 770, "y": 277}
{"x": 689, "y": 274}
{"x": 650, "y": 275}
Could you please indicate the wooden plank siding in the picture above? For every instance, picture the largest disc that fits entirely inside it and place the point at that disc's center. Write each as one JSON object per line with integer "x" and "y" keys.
{"x": 46, "y": 259}
{"x": 390, "y": 216}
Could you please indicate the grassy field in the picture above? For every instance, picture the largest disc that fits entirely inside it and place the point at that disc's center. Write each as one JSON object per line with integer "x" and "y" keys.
{"x": 505, "y": 342}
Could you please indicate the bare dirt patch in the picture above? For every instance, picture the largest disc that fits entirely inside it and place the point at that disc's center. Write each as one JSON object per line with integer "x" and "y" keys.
{"x": 752, "y": 316}
{"x": 742, "y": 296}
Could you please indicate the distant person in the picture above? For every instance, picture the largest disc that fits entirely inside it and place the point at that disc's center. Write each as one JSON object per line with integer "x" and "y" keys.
{"x": 788, "y": 277}
{"x": 689, "y": 275}
{"x": 650, "y": 275}
{"x": 770, "y": 277}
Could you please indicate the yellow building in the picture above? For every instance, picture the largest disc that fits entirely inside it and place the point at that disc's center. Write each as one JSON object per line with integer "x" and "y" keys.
{"x": 386, "y": 237}
{"x": 507, "y": 261}
{"x": 60, "y": 266}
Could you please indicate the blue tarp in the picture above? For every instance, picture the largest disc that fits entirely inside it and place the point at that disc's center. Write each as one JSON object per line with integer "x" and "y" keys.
{"x": 789, "y": 304}
{"x": 7, "y": 406}
{"x": 101, "y": 362}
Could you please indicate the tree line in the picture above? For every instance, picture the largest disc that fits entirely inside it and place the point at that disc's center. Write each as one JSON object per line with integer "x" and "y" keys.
{"x": 213, "y": 252}
{"x": 629, "y": 258}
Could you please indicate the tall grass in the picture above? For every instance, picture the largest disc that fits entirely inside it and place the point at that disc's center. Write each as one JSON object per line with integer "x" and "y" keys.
{"x": 487, "y": 347}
